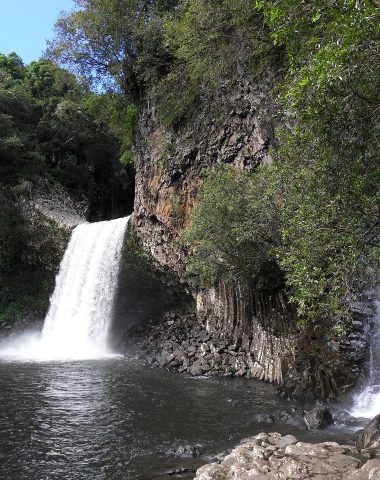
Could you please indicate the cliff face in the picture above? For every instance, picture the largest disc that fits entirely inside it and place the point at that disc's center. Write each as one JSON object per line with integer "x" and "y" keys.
{"x": 235, "y": 127}
{"x": 263, "y": 324}
{"x": 170, "y": 169}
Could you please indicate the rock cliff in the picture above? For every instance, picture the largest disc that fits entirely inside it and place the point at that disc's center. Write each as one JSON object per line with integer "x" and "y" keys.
{"x": 236, "y": 126}
{"x": 37, "y": 218}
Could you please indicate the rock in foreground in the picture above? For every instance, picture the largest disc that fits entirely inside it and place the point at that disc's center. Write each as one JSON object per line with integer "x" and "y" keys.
{"x": 370, "y": 435}
{"x": 275, "y": 457}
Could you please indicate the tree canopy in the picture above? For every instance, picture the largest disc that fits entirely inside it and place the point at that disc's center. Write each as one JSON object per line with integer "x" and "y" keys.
{"x": 50, "y": 128}
{"x": 113, "y": 42}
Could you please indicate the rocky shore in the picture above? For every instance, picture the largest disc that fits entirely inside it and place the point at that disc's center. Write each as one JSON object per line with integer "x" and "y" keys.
{"x": 271, "y": 456}
{"x": 181, "y": 344}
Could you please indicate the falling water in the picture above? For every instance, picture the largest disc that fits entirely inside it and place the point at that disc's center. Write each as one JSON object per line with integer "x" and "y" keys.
{"x": 80, "y": 312}
{"x": 367, "y": 402}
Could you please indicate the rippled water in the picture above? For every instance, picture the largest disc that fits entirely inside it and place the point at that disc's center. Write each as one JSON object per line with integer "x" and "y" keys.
{"x": 114, "y": 419}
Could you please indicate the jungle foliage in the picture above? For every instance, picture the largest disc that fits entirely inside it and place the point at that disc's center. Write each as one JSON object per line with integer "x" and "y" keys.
{"x": 52, "y": 131}
{"x": 323, "y": 187}
{"x": 50, "y": 125}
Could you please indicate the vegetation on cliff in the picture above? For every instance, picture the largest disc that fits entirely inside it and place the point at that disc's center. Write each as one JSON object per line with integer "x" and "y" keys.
{"x": 320, "y": 199}
{"x": 31, "y": 248}
{"x": 52, "y": 126}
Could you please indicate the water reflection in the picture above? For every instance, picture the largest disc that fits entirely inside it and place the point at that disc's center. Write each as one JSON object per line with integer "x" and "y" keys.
{"x": 115, "y": 420}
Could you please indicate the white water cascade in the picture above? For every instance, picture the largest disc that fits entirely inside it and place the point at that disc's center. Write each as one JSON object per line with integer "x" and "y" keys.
{"x": 367, "y": 402}
{"x": 80, "y": 312}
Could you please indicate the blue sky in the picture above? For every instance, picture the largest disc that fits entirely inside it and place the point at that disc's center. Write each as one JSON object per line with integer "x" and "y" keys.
{"x": 25, "y": 25}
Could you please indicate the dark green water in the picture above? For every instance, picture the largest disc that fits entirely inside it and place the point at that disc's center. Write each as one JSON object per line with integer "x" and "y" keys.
{"x": 115, "y": 419}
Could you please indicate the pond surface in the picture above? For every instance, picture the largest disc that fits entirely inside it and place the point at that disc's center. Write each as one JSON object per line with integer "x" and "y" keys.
{"x": 115, "y": 419}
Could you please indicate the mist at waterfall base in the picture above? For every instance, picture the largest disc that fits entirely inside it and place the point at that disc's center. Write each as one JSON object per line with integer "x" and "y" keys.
{"x": 78, "y": 320}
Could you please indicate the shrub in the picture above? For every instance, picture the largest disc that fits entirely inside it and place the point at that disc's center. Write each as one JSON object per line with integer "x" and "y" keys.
{"x": 234, "y": 231}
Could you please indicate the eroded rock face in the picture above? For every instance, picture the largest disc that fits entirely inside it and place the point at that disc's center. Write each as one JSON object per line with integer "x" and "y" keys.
{"x": 170, "y": 169}
{"x": 263, "y": 323}
{"x": 234, "y": 127}
{"x": 273, "y": 457}
{"x": 180, "y": 343}
{"x": 51, "y": 201}
{"x": 44, "y": 215}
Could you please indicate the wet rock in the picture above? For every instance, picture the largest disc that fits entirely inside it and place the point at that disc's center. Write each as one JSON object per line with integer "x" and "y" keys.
{"x": 205, "y": 348}
{"x": 369, "y": 471}
{"x": 370, "y": 434}
{"x": 165, "y": 358}
{"x": 286, "y": 441}
{"x": 196, "y": 370}
{"x": 319, "y": 417}
{"x": 264, "y": 418}
{"x": 188, "y": 451}
{"x": 179, "y": 471}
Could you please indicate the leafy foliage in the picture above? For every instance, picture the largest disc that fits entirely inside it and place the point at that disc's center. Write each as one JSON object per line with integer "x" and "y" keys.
{"x": 117, "y": 42}
{"x": 215, "y": 39}
{"x": 329, "y": 157}
{"x": 211, "y": 42}
{"x": 234, "y": 233}
{"x": 50, "y": 127}
{"x": 324, "y": 184}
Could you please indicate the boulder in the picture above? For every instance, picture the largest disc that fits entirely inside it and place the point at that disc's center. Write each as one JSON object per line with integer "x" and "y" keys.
{"x": 270, "y": 456}
{"x": 196, "y": 370}
{"x": 187, "y": 451}
{"x": 319, "y": 417}
{"x": 370, "y": 434}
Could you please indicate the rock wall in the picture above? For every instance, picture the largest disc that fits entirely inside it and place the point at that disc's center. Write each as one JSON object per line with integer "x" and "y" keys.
{"x": 233, "y": 127}
{"x": 35, "y": 225}
{"x": 263, "y": 323}
{"x": 236, "y": 126}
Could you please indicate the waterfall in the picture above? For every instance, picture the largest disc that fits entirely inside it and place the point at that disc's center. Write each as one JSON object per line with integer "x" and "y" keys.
{"x": 80, "y": 312}
{"x": 81, "y": 306}
{"x": 367, "y": 402}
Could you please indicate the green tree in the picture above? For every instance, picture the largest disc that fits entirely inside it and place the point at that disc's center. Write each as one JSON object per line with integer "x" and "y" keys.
{"x": 111, "y": 40}
{"x": 13, "y": 65}
{"x": 45, "y": 79}
{"x": 329, "y": 159}
{"x": 234, "y": 231}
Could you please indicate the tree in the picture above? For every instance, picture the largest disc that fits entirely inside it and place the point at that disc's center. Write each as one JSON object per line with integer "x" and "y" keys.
{"x": 234, "y": 231}
{"x": 13, "y": 65}
{"x": 45, "y": 79}
{"x": 110, "y": 42}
